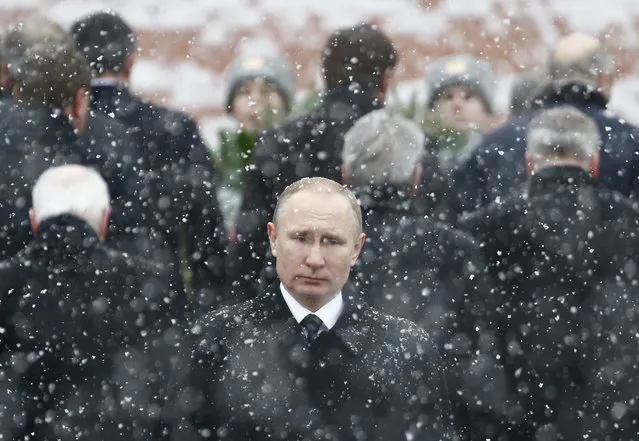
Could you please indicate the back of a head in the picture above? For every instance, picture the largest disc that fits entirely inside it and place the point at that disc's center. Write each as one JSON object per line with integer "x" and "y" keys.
{"x": 27, "y": 32}
{"x": 382, "y": 149}
{"x": 50, "y": 74}
{"x": 357, "y": 55}
{"x": 71, "y": 189}
{"x": 562, "y": 134}
{"x": 105, "y": 39}
{"x": 579, "y": 58}
{"x": 525, "y": 89}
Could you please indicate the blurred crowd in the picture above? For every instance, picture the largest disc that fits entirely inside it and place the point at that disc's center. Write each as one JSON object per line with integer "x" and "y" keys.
{"x": 491, "y": 293}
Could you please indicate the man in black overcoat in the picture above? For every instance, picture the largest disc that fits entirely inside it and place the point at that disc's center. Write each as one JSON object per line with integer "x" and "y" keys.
{"x": 185, "y": 203}
{"x": 305, "y": 360}
{"x": 563, "y": 258}
{"x": 414, "y": 267}
{"x": 88, "y": 333}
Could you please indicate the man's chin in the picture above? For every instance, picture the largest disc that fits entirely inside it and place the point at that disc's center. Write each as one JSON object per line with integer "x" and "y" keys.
{"x": 311, "y": 287}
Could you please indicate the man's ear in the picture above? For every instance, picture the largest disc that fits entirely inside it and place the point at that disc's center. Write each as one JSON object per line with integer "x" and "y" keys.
{"x": 604, "y": 84}
{"x": 104, "y": 224}
{"x": 15, "y": 93}
{"x": 417, "y": 179}
{"x": 594, "y": 166}
{"x": 359, "y": 243}
{"x": 33, "y": 221}
{"x": 127, "y": 66}
{"x": 344, "y": 175}
{"x": 79, "y": 109}
{"x": 272, "y": 237}
{"x": 384, "y": 84}
{"x": 530, "y": 165}
{"x": 5, "y": 78}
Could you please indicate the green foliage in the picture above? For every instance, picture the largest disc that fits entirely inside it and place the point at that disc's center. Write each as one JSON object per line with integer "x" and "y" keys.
{"x": 234, "y": 156}
{"x": 308, "y": 102}
{"x": 410, "y": 109}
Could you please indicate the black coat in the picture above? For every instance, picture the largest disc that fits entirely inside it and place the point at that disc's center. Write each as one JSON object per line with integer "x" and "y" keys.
{"x": 108, "y": 147}
{"x": 252, "y": 376}
{"x": 498, "y": 167}
{"x": 415, "y": 268}
{"x": 87, "y": 339}
{"x": 185, "y": 206}
{"x": 433, "y": 275}
{"x": 308, "y": 146}
{"x": 564, "y": 257}
{"x": 31, "y": 141}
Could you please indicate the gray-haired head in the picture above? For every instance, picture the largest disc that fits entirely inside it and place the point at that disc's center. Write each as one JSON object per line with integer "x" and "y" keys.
{"x": 579, "y": 58}
{"x": 74, "y": 190}
{"x": 562, "y": 136}
{"x": 382, "y": 149}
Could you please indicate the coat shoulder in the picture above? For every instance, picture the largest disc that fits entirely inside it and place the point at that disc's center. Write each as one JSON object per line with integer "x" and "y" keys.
{"x": 224, "y": 321}
{"x": 401, "y": 333}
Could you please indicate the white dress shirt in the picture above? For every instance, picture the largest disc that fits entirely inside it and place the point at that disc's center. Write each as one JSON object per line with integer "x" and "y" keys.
{"x": 329, "y": 313}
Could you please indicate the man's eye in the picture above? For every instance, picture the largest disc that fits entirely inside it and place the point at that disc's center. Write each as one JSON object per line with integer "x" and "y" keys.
{"x": 330, "y": 241}
{"x": 300, "y": 238}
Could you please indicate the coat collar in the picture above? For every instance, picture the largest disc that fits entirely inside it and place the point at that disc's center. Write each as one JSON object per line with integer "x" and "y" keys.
{"x": 578, "y": 95}
{"x": 351, "y": 328}
{"x": 68, "y": 232}
{"x": 47, "y": 122}
{"x": 65, "y": 243}
{"x": 551, "y": 178}
{"x": 361, "y": 100}
{"x": 381, "y": 200}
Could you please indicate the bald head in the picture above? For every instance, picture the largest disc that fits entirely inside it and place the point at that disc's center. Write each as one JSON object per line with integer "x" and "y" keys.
{"x": 74, "y": 190}
{"x": 579, "y": 58}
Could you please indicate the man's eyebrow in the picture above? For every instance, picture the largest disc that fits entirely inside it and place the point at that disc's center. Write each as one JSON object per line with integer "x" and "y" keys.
{"x": 333, "y": 236}
{"x": 298, "y": 231}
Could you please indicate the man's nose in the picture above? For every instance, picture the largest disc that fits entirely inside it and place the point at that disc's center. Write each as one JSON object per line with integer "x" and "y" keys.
{"x": 314, "y": 258}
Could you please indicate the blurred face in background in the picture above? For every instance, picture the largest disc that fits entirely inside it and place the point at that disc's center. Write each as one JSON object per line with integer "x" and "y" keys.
{"x": 257, "y": 105}
{"x": 460, "y": 108}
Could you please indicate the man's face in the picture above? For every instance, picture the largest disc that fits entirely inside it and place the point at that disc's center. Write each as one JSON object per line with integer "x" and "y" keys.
{"x": 461, "y": 108}
{"x": 315, "y": 243}
{"x": 258, "y": 105}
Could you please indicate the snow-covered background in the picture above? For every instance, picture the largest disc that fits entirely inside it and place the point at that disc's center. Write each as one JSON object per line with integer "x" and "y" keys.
{"x": 186, "y": 44}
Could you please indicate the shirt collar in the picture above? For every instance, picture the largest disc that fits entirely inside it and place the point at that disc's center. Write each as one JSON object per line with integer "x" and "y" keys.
{"x": 104, "y": 82}
{"x": 329, "y": 313}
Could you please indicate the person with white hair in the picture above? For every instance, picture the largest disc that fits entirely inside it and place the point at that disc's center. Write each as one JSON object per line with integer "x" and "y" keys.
{"x": 102, "y": 323}
{"x": 412, "y": 266}
{"x": 383, "y": 149}
{"x": 562, "y": 257}
{"x": 71, "y": 190}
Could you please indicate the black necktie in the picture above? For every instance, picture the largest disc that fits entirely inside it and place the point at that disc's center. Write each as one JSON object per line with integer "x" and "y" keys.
{"x": 313, "y": 326}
